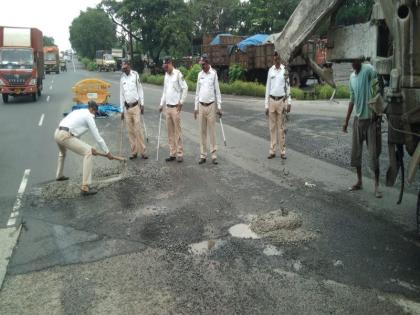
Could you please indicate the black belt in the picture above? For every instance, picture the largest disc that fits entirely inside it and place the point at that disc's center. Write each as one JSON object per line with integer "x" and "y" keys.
{"x": 65, "y": 129}
{"x": 171, "y": 106}
{"x": 277, "y": 98}
{"x": 127, "y": 105}
{"x": 206, "y": 104}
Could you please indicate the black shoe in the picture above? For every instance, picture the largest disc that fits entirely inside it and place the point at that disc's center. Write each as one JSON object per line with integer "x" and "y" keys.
{"x": 271, "y": 156}
{"x": 214, "y": 161}
{"x": 62, "y": 178}
{"x": 202, "y": 161}
{"x": 144, "y": 157}
{"x": 180, "y": 159}
{"x": 170, "y": 159}
{"x": 283, "y": 156}
{"x": 89, "y": 192}
{"x": 133, "y": 157}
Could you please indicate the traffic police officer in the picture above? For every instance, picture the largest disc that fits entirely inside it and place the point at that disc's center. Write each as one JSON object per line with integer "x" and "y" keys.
{"x": 175, "y": 91}
{"x": 67, "y": 135}
{"x": 207, "y": 97}
{"x": 277, "y": 104}
{"x": 132, "y": 106}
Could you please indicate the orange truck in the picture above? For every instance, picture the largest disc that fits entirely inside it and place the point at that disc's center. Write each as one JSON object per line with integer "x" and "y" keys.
{"x": 21, "y": 62}
{"x": 51, "y": 59}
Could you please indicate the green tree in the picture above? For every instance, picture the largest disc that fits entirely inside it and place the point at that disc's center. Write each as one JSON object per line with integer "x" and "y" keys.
{"x": 354, "y": 11}
{"x": 161, "y": 26}
{"x": 217, "y": 16}
{"x": 266, "y": 16}
{"x": 48, "y": 41}
{"x": 92, "y": 30}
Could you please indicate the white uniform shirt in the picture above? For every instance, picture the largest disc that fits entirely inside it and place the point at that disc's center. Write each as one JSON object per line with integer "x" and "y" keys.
{"x": 79, "y": 122}
{"x": 208, "y": 90}
{"x": 175, "y": 89}
{"x": 277, "y": 85}
{"x": 131, "y": 90}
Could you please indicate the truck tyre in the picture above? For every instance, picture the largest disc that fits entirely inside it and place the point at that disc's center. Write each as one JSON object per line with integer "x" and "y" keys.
{"x": 34, "y": 97}
{"x": 57, "y": 72}
{"x": 5, "y": 98}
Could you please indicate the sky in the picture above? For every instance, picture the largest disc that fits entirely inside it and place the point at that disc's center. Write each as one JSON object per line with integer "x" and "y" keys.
{"x": 52, "y": 17}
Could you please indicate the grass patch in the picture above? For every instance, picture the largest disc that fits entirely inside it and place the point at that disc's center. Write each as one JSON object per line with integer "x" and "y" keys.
{"x": 320, "y": 92}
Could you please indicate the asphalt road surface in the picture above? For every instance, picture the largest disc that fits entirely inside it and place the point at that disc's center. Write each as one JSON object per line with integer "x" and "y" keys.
{"x": 172, "y": 238}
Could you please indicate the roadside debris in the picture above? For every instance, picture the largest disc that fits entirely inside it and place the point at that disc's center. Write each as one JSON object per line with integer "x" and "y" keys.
{"x": 307, "y": 184}
{"x": 281, "y": 227}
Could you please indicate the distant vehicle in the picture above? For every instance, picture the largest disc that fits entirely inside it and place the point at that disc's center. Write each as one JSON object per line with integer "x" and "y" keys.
{"x": 21, "y": 62}
{"x": 51, "y": 59}
{"x": 63, "y": 65}
{"x": 105, "y": 61}
{"x": 118, "y": 55}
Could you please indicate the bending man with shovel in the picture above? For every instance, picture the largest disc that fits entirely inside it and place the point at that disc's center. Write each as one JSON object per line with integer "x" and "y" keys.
{"x": 67, "y": 135}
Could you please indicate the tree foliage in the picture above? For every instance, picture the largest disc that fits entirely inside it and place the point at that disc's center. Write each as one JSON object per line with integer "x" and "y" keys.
{"x": 48, "y": 41}
{"x": 92, "y": 30}
{"x": 266, "y": 16}
{"x": 162, "y": 26}
{"x": 354, "y": 11}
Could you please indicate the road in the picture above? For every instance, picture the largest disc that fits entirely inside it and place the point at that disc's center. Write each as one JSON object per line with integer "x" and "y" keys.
{"x": 161, "y": 238}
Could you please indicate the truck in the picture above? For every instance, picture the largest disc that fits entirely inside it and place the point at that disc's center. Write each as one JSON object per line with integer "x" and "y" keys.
{"x": 21, "y": 62}
{"x": 105, "y": 61}
{"x": 51, "y": 59}
{"x": 255, "y": 55}
{"x": 118, "y": 55}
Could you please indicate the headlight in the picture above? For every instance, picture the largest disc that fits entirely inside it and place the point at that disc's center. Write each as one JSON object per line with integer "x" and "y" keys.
{"x": 33, "y": 81}
{"x": 2, "y": 82}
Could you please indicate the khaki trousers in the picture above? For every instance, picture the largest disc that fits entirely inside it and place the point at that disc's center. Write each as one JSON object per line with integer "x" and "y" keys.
{"x": 135, "y": 130}
{"x": 66, "y": 141}
{"x": 173, "y": 124}
{"x": 207, "y": 120}
{"x": 276, "y": 118}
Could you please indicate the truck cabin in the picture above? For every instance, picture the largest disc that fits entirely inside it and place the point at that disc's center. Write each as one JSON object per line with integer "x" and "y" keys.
{"x": 16, "y": 58}
{"x": 108, "y": 57}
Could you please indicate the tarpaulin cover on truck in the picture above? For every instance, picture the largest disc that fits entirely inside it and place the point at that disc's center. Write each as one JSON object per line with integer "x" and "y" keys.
{"x": 216, "y": 40}
{"x": 254, "y": 40}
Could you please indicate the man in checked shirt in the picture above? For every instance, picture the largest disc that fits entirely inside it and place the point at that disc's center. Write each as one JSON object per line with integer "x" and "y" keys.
{"x": 207, "y": 97}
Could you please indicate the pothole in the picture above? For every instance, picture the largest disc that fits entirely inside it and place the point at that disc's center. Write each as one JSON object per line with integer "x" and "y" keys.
{"x": 281, "y": 227}
{"x": 243, "y": 231}
{"x": 205, "y": 247}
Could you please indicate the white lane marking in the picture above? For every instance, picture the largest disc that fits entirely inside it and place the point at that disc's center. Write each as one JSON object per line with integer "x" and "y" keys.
{"x": 18, "y": 202}
{"x": 48, "y": 98}
{"x": 74, "y": 67}
{"x": 50, "y": 87}
{"x": 41, "y": 120}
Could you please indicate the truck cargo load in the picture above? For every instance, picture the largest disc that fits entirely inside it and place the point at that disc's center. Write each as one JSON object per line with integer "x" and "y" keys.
{"x": 21, "y": 62}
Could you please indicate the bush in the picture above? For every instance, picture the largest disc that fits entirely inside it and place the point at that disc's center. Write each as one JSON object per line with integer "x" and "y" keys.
{"x": 342, "y": 91}
{"x": 323, "y": 91}
{"x": 85, "y": 62}
{"x": 92, "y": 66}
{"x": 297, "y": 93}
{"x": 183, "y": 70}
{"x": 193, "y": 73}
{"x": 236, "y": 72}
{"x": 156, "y": 79}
